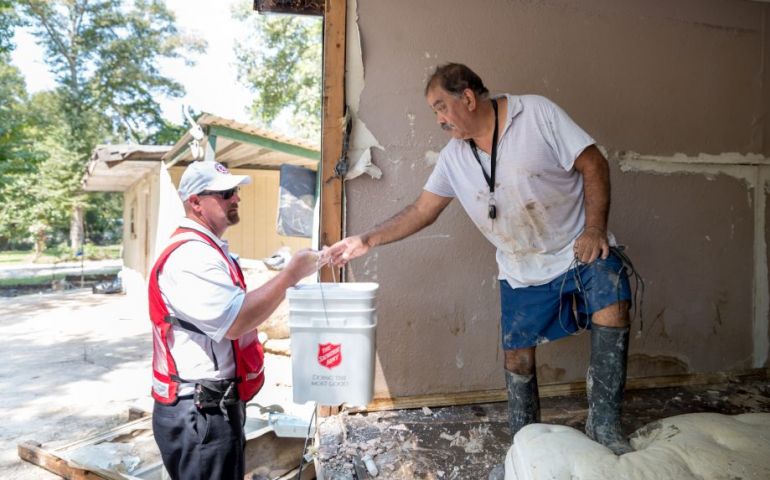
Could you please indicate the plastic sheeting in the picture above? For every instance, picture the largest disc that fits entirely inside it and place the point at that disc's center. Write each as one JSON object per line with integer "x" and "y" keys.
{"x": 296, "y": 200}
{"x": 170, "y": 211}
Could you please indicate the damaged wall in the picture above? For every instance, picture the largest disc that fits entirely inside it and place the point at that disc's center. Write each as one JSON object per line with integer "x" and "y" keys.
{"x": 685, "y": 85}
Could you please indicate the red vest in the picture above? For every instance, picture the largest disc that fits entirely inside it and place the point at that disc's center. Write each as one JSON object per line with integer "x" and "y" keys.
{"x": 247, "y": 350}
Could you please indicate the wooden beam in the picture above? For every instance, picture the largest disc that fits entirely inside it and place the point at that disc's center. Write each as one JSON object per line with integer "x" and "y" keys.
{"x": 240, "y": 156}
{"x": 266, "y": 454}
{"x": 54, "y": 460}
{"x": 323, "y": 411}
{"x": 178, "y": 156}
{"x": 251, "y": 139}
{"x": 210, "y": 150}
{"x": 35, "y": 454}
{"x": 557, "y": 390}
{"x": 224, "y": 151}
{"x": 143, "y": 423}
{"x": 332, "y": 125}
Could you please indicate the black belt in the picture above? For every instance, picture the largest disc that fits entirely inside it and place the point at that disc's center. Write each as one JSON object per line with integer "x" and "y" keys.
{"x": 216, "y": 393}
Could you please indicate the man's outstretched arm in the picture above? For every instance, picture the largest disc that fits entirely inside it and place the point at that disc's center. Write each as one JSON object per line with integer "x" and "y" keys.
{"x": 423, "y": 212}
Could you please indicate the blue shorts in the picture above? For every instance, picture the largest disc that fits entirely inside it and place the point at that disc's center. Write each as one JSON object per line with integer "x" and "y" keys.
{"x": 541, "y": 313}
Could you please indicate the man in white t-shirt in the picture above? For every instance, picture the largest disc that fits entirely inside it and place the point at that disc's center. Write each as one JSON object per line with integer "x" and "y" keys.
{"x": 538, "y": 189}
{"x": 207, "y": 359}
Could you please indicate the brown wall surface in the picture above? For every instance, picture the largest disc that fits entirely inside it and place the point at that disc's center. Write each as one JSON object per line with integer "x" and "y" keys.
{"x": 691, "y": 238}
{"x": 654, "y": 77}
{"x": 765, "y": 289}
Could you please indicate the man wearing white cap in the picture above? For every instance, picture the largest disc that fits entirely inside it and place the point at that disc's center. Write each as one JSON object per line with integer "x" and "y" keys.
{"x": 207, "y": 359}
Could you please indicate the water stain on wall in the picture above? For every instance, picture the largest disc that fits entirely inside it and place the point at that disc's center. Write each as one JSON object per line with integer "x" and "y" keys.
{"x": 642, "y": 365}
{"x": 548, "y": 374}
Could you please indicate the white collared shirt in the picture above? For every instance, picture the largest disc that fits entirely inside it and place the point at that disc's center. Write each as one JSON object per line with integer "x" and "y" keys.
{"x": 196, "y": 286}
{"x": 538, "y": 193}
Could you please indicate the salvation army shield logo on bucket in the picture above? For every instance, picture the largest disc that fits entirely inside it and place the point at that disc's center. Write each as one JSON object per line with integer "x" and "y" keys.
{"x": 329, "y": 354}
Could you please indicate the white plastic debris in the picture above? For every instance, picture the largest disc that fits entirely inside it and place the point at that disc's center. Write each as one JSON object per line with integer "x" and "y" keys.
{"x": 290, "y": 425}
{"x": 371, "y": 467}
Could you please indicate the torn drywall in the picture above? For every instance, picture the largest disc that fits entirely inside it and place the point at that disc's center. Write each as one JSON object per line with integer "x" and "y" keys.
{"x": 731, "y": 164}
{"x": 754, "y": 169}
{"x": 361, "y": 138}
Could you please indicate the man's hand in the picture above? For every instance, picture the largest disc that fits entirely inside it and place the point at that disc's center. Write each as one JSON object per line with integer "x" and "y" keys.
{"x": 345, "y": 250}
{"x": 416, "y": 216}
{"x": 591, "y": 244}
{"x": 303, "y": 263}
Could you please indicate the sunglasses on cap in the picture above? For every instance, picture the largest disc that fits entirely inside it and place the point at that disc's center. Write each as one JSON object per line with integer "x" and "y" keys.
{"x": 225, "y": 194}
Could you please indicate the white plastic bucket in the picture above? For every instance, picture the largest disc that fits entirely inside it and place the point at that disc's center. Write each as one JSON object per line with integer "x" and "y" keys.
{"x": 332, "y": 342}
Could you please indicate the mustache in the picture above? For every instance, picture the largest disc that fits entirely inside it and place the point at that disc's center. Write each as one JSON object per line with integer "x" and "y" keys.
{"x": 447, "y": 126}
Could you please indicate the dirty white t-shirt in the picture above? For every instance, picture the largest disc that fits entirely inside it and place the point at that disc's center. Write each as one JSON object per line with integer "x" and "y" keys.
{"x": 538, "y": 192}
{"x": 196, "y": 286}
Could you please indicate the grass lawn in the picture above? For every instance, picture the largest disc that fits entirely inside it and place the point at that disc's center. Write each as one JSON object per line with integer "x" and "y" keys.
{"x": 29, "y": 281}
{"x": 55, "y": 255}
{"x": 9, "y": 257}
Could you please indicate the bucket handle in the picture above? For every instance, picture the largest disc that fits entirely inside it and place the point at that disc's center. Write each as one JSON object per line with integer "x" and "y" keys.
{"x": 323, "y": 297}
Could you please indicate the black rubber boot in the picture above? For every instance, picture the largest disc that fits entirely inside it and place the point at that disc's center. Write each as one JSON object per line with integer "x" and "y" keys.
{"x": 497, "y": 472}
{"x": 605, "y": 381}
{"x": 523, "y": 401}
{"x": 523, "y": 409}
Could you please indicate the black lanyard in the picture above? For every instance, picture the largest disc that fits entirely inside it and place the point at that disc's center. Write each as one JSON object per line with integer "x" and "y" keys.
{"x": 493, "y": 159}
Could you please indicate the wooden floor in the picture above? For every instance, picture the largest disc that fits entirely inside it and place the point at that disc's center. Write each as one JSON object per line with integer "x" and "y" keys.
{"x": 465, "y": 442}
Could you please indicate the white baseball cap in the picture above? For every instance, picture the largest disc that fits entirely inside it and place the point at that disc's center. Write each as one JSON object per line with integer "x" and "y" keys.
{"x": 209, "y": 176}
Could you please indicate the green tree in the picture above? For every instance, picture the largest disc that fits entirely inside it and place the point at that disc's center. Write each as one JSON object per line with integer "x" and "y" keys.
{"x": 8, "y": 20}
{"x": 104, "y": 56}
{"x": 15, "y": 155}
{"x": 280, "y": 61}
{"x": 15, "y": 141}
{"x": 35, "y": 198}
{"x": 19, "y": 156}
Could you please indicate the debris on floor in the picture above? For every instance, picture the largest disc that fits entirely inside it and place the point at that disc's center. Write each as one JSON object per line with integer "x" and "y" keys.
{"x": 466, "y": 442}
{"x": 446, "y": 443}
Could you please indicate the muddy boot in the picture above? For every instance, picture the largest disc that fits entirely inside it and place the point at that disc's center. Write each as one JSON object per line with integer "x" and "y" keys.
{"x": 605, "y": 381}
{"x": 497, "y": 473}
{"x": 523, "y": 401}
{"x": 523, "y": 409}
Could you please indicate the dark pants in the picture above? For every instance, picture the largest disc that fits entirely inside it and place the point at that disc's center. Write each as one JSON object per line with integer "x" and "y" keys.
{"x": 200, "y": 444}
